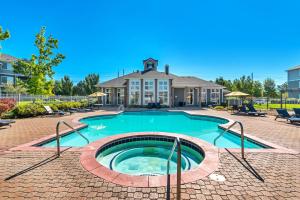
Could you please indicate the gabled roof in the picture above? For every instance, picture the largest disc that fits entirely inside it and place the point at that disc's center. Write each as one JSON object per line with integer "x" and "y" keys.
{"x": 7, "y": 58}
{"x": 178, "y": 81}
{"x": 294, "y": 68}
{"x": 150, "y": 59}
{"x": 191, "y": 81}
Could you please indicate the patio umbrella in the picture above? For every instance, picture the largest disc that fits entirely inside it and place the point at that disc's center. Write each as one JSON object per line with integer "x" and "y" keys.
{"x": 98, "y": 94}
{"x": 236, "y": 94}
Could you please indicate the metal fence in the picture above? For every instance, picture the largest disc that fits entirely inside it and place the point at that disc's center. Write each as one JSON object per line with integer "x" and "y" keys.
{"x": 34, "y": 98}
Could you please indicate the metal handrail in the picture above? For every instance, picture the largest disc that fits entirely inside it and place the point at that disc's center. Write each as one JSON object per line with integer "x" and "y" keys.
{"x": 242, "y": 136}
{"x": 178, "y": 145}
{"x": 57, "y": 134}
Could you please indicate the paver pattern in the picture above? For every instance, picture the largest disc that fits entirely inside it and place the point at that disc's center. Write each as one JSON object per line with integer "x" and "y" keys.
{"x": 39, "y": 175}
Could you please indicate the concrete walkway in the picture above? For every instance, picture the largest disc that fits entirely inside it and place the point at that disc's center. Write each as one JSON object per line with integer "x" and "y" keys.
{"x": 40, "y": 175}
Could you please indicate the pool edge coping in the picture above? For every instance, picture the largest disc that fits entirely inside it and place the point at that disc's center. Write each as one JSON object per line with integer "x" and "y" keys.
{"x": 208, "y": 165}
{"x": 274, "y": 148}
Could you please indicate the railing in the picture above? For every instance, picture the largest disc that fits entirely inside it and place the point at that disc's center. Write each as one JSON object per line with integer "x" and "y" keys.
{"x": 242, "y": 136}
{"x": 176, "y": 144}
{"x": 57, "y": 135}
{"x": 121, "y": 108}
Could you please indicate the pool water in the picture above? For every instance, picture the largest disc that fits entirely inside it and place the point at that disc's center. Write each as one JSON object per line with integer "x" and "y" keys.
{"x": 202, "y": 127}
{"x": 147, "y": 158}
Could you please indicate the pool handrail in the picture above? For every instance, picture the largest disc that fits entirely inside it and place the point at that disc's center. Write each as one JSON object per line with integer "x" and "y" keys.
{"x": 57, "y": 134}
{"x": 178, "y": 145}
{"x": 242, "y": 136}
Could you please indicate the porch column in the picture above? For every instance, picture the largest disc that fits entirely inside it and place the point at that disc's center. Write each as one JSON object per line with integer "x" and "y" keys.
{"x": 170, "y": 93}
{"x": 199, "y": 96}
{"x": 155, "y": 90}
{"x": 126, "y": 93}
{"x": 142, "y": 92}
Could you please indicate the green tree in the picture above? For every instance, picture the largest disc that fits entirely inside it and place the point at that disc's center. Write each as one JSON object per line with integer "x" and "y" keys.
{"x": 90, "y": 83}
{"x": 269, "y": 89}
{"x": 57, "y": 90}
{"x": 225, "y": 83}
{"x": 39, "y": 68}
{"x": 257, "y": 89}
{"x": 66, "y": 86}
{"x": 4, "y": 34}
{"x": 15, "y": 89}
{"x": 79, "y": 89}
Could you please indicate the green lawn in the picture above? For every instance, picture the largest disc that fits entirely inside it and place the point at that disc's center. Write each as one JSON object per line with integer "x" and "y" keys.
{"x": 274, "y": 106}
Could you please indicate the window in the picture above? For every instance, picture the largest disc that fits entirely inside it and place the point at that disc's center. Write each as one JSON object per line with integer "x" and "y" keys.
{"x": 190, "y": 97}
{"x": 163, "y": 92}
{"x": 215, "y": 96}
{"x": 120, "y": 96}
{"x": 148, "y": 91}
{"x": 9, "y": 66}
{"x": 134, "y": 92}
{"x": 7, "y": 80}
{"x": 108, "y": 97}
{"x": 203, "y": 95}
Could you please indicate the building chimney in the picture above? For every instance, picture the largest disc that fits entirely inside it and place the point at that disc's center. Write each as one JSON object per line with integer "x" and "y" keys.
{"x": 167, "y": 69}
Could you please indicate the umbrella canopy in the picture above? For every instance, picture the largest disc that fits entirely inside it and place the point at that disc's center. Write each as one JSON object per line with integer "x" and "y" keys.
{"x": 236, "y": 94}
{"x": 97, "y": 94}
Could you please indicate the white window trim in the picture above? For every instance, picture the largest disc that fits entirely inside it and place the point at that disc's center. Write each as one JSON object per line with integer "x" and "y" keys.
{"x": 168, "y": 90}
{"x": 106, "y": 96}
{"x": 120, "y": 96}
{"x": 144, "y": 90}
{"x": 193, "y": 93}
{"x": 129, "y": 93}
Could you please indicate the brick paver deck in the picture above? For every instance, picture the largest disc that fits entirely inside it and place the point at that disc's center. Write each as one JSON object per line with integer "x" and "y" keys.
{"x": 39, "y": 175}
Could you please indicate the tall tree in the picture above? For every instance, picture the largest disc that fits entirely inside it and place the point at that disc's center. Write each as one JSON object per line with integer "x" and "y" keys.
{"x": 66, "y": 86}
{"x": 225, "y": 83}
{"x": 79, "y": 89}
{"x": 57, "y": 90}
{"x": 269, "y": 89}
{"x": 4, "y": 34}
{"x": 257, "y": 89}
{"x": 90, "y": 83}
{"x": 39, "y": 68}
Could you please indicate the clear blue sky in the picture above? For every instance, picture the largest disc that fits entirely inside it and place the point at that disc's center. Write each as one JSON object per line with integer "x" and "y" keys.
{"x": 201, "y": 38}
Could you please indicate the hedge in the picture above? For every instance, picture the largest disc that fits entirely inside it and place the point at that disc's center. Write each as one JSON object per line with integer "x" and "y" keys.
{"x": 36, "y": 109}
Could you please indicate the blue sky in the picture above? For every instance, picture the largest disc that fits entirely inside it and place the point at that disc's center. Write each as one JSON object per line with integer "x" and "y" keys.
{"x": 201, "y": 38}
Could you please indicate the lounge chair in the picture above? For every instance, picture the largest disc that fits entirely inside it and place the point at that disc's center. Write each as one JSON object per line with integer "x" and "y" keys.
{"x": 243, "y": 109}
{"x": 253, "y": 111}
{"x": 51, "y": 112}
{"x": 283, "y": 113}
{"x": 6, "y": 122}
{"x": 297, "y": 112}
{"x": 294, "y": 119}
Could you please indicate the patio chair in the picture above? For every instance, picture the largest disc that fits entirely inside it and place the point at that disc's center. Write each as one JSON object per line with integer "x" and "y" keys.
{"x": 294, "y": 119}
{"x": 51, "y": 112}
{"x": 243, "y": 110}
{"x": 297, "y": 112}
{"x": 253, "y": 111}
{"x": 283, "y": 113}
{"x": 5, "y": 122}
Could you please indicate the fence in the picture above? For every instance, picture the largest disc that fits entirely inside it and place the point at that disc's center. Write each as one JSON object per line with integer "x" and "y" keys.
{"x": 33, "y": 98}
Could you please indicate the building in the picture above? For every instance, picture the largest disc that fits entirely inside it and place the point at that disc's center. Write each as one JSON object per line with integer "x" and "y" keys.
{"x": 7, "y": 75}
{"x": 294, "y": 82}
{"x": 151, "y": 86}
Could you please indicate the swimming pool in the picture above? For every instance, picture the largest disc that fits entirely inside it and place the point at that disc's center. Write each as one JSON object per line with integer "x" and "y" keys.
{"x": 202, "y": 127}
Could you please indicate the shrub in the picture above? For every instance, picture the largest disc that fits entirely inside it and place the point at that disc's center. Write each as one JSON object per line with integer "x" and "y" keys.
{"x": 29, "y": 110}
{"x": 35, "y": 109}
{"x": 219, "y": 108}
{"x": 6, "y": 105}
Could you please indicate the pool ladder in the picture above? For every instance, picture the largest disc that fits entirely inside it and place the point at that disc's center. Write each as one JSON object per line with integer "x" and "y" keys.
{"x": 178, "y": 145}
{"x": 242, "y": 136}
{"x": 57, "y": 134}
